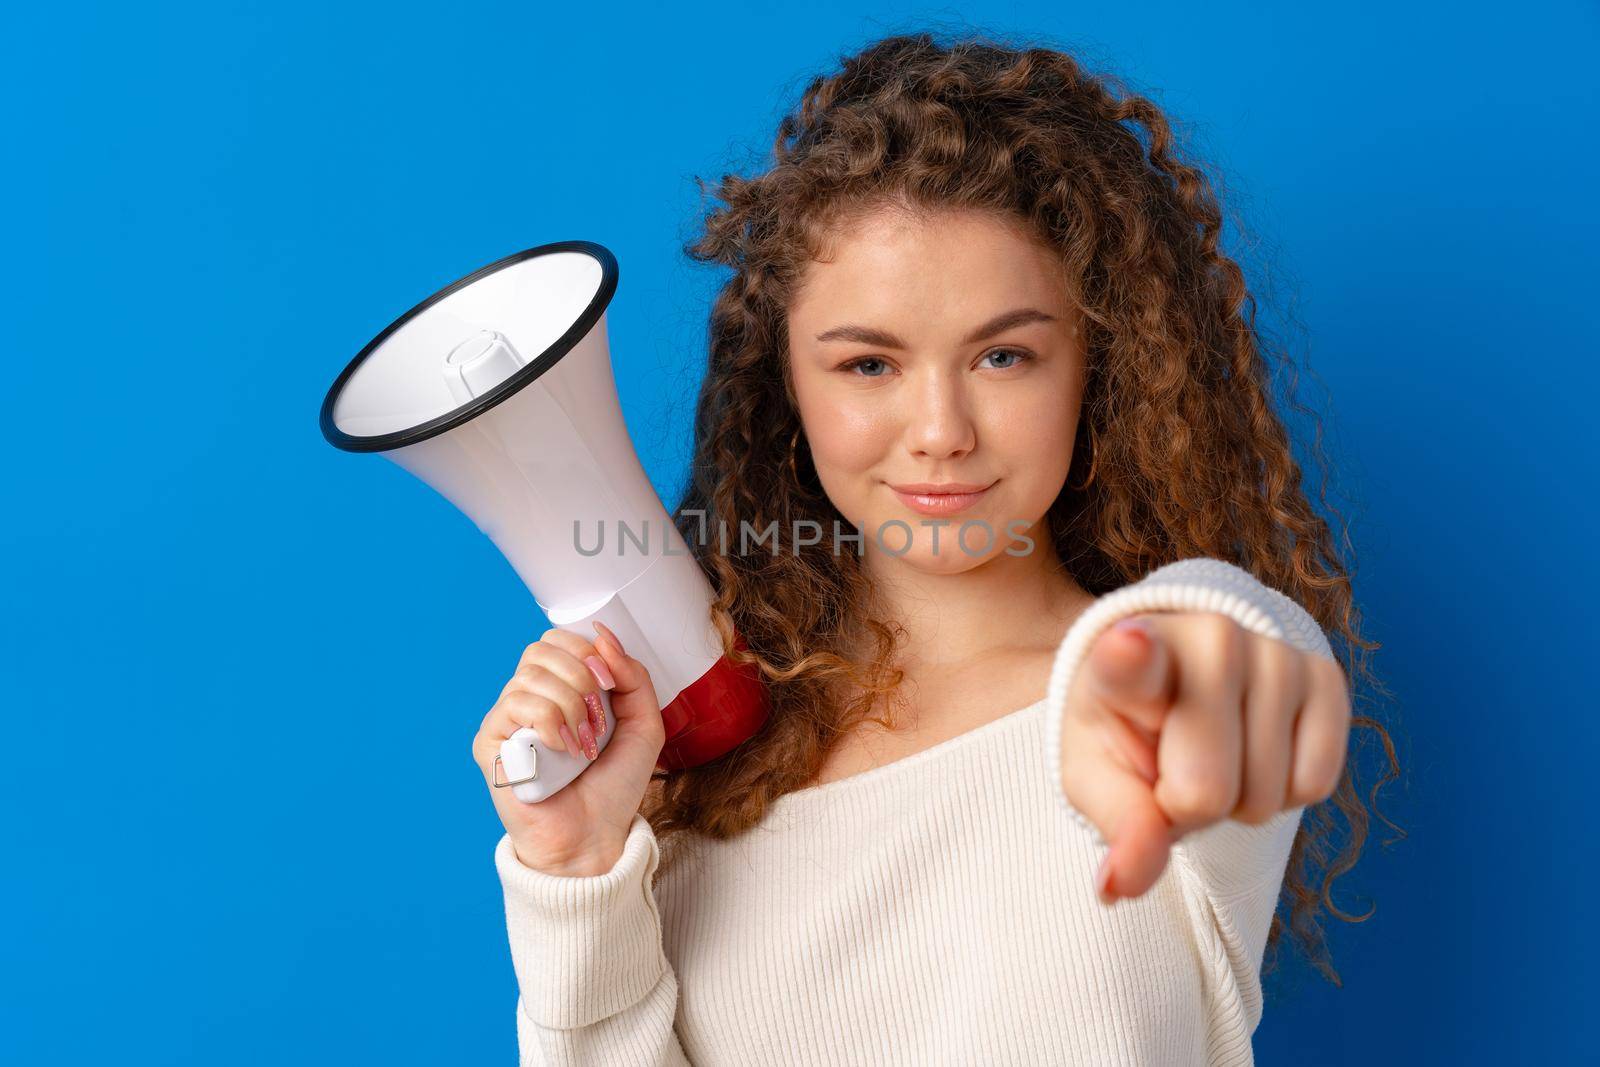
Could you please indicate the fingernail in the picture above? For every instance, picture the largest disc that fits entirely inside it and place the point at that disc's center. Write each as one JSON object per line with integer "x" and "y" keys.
{"x": 602, "y": 673}
{"x": 614, "y": 639}
{"x": 597, "y": 714}
{"x": 1133, "y": 625}
{"x": 586, "y": 737}
{"x": 1102, "y": 881}
{"x": 567, "y": 739}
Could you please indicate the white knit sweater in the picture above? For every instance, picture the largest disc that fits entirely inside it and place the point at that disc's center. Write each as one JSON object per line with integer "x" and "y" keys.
{"x": 939, "y": 909}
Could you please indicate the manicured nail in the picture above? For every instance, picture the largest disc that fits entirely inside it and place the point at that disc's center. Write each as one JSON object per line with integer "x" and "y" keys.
{"x": 567, "y": 739}
{"x": 602, "y": 673}
{"x": 615, "y": 641}
{"x": 1102, "y": 881}
{"x": 1133, "y": 625}
{"x": 597, "y": 714}
{"x": 586, "y": 737}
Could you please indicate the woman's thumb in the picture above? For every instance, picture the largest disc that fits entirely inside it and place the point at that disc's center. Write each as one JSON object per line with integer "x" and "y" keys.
{"x": 1130, "y": 670}
{"x": 633, "y": 691}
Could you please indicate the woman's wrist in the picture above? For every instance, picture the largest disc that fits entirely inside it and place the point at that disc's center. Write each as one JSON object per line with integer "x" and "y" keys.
{"x": 587, "y": 865}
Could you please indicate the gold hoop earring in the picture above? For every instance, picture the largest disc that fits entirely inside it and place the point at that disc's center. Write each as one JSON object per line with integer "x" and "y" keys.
{"x": 794, "y": 469}
{"x": 794, "y": 443}
{"x": 1094, "y": 464}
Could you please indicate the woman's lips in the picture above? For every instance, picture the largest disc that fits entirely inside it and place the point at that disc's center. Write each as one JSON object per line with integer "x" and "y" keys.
{"x": 940, "y": 503}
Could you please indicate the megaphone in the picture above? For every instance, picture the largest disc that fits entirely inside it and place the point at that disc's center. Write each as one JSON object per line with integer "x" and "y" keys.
{"x": 497, "y": 391}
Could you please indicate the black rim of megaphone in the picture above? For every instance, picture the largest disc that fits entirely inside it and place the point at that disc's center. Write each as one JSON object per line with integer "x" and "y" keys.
{"x": 455, "y": 417}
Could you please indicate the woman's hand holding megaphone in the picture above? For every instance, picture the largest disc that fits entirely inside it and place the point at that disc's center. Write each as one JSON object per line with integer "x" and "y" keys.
{"x": 580, "y": 830}
{"x": 1180, "y": 719}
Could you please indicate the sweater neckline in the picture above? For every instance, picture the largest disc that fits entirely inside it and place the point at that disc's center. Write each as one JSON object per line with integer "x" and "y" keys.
{"x": 944, "y": 748}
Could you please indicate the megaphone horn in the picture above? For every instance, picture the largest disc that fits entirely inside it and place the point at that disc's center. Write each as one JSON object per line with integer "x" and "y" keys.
{"x": 498, "y": 392}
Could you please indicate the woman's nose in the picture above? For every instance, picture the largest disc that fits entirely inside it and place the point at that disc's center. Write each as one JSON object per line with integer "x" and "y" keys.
{"x": 940, "y": 422}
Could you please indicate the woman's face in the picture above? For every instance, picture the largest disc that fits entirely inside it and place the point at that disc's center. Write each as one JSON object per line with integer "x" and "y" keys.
{"x": 938, "y": 352}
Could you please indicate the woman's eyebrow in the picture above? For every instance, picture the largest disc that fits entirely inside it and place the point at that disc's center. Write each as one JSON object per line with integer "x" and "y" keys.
{"x": 868, "y": 335}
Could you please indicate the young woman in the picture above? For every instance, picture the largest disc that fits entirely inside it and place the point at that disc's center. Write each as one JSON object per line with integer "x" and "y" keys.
{"x": 1028, "y": 798}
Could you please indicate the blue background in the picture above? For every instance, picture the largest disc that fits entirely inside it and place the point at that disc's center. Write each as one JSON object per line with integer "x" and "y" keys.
{"x": 242, "y": 669}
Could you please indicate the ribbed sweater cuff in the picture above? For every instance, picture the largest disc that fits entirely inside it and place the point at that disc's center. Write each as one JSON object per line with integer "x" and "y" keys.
{"x": 1234, "y": 857}
{"x": 584, "y": 948}
{"x": 1199, "y": 584}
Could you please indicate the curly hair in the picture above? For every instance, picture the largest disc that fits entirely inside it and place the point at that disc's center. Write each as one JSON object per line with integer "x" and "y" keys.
{"x": 1180, "y": 452}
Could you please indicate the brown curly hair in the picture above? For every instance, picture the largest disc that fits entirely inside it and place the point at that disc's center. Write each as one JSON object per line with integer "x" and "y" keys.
{"x": 1179, "y": 454}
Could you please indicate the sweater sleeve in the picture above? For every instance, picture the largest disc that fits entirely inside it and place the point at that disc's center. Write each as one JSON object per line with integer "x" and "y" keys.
{"x": 594, "y": 983}
{"x": 1230, "y": 856}
{"x": 1230, "y": 873}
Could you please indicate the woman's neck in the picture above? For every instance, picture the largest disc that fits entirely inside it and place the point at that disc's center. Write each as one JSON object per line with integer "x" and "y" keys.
{"x": 976, "y": 645}
{"x": 1006, "y": 604}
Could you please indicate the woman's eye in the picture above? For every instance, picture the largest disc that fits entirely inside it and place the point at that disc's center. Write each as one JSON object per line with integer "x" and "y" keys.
{"x": 873, "y": 367}
{"x": 867, "y": 361}
{"x": 1017, "y": 356}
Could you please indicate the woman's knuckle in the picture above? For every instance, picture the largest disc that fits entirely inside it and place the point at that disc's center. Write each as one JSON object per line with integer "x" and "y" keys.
{"x": 1290, "y": 672}
{"x": 1199, "y": 796}
{"x": 1223, "y": 634}
{"x": 1256, "y": 808}
{"x": 1318, "y": 781}
{"x": 531, "y": 672}
{"x": 525, "y": 709}
{"x": 552, "y": 713}
{"x": 1215, "y": 802}
{"x": 1282, "y": 662}
{"x": 1273, "y": 692}
{"x": 1252, "y": 815}
{"x": 1328, "y": 675}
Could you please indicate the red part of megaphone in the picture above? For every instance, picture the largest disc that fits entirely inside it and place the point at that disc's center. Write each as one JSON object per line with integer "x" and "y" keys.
{"x": 725, "y": 707}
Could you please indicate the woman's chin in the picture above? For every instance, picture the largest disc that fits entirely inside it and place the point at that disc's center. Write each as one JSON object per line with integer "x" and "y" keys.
{"x": 948, "y": 560}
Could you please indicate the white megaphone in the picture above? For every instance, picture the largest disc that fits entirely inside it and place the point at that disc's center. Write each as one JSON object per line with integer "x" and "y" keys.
{"x": 497, "y": 391}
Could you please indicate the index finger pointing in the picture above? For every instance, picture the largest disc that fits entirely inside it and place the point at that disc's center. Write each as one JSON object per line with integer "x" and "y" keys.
{"x": 1123, "y": 807}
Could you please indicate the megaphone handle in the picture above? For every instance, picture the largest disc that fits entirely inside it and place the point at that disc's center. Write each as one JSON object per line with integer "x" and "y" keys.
{"x": 543, "y": 771}
{"x": 535, "y": 772}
